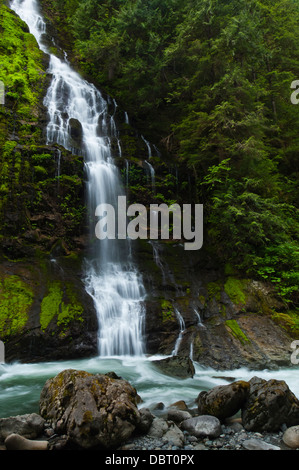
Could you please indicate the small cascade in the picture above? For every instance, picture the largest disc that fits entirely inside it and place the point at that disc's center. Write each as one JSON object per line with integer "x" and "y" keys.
{"x": 199, "y": 323}
{"x": 157, "y": 151}
{"x": 151, "y": 175}
{"x": 191, "y": 350}
{"x": 157, "y": 259}
{"x": 148, "y": 147}
{"x": 182, "y": 329}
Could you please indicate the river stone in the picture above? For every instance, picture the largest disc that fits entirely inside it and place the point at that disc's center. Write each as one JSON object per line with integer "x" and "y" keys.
{"x": 223, "y": 401}
{"x": 270, "y": 404}
{"x": 146, "y": 419}
{"x": 180, "y": 405}
{"x": 93, "y": 410}
{"x": 174, "y": 435}
{"x": 17, "y": 442}
{"x": 173, "y": 414}
{"x": 204, "y": 425}
{"x": 29, "y": 426}
{"x": 291, "y": 437}
{"x": 167, "y": 431}
{"x": 158, "y": 428}
{"x": 257, "y": 444}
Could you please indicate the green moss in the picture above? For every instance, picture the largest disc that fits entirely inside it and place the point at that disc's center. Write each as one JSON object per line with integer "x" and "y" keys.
{"x": 50, "y": 305}
{"x": 288, "y": 321}
{"x": 229, "y": 270}
{"x": 15, "y": 300}
{"x": 167, "y": 310}
{"x": 236, "y": 331}
{"x": 214, "y": 290}
{"x": 235, "y": 289}
{"x": 53, "y": 306}
{"x": 21, "y": 69}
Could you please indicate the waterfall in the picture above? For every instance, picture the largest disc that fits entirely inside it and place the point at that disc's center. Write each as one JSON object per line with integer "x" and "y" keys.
{"x": 111, "y": 278}
{"x": 148, "y": 147}
{"x": 152, "y": 175}
{"x": 199, "y": 323}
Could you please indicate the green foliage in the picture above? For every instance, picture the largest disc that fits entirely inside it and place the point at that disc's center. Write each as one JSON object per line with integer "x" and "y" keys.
{"x": 212, "y": 81}
{"x": 20, "y": 70}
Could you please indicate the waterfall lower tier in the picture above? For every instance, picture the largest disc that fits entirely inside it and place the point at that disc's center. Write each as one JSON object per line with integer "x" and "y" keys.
{"x": 117, "y": 295}
{"x": 112, "y": 281}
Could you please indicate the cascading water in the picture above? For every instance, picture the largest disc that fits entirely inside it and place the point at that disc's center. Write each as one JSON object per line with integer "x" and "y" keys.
{"x": 111, "y": 278}
{"x": 182, "y": 329}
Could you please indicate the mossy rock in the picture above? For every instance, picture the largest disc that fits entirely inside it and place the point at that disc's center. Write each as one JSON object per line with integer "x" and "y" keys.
{"x": 236, "y": 331}
{"x": 236, "y": 290}
{"x": 45, "y": 312}
{"x": 16, "y": 298}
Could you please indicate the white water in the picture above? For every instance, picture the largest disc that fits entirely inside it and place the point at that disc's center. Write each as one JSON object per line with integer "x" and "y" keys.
{"x": 148, "y": 145}
{"x": 21, "y": 384}
{"x": 152, "y": 175}
{"x": 111, "y": 280}
{"x": 182, "y": 329}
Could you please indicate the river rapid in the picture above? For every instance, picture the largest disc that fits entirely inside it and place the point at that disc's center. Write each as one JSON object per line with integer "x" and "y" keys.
{"x": 21, "y": 384}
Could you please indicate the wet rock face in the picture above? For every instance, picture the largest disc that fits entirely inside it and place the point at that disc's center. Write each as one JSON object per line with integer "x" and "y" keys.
{"x": 92, "y": 410}
{"x": 227, "y": 320}
{"x": 48, "y": 314}
{"x": 75, "y": 128}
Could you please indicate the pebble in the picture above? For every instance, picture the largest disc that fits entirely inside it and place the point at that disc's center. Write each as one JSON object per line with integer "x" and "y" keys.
{"x": 229, "y": 440}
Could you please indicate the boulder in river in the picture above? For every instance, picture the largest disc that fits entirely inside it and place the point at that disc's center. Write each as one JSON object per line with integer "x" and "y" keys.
{"x": 176, "y": 366}
{"x": 93, "y": 410}
{"x": 223, "y": 401}
{"x": 269, "y": 406}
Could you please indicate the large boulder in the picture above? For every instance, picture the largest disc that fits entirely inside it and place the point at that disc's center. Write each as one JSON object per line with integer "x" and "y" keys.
{"x": 223, "y": 401}
{"x": 93, "y": 410}
{"x": 270, "y": 404}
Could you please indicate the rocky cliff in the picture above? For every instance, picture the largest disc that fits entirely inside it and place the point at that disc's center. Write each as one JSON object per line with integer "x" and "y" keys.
{"x": 195, "y": 306}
